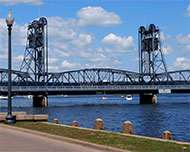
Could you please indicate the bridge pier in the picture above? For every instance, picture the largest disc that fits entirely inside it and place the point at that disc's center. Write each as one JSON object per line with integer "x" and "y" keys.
{"x": 148, "y": 98}
{"x": 40, "y": 101}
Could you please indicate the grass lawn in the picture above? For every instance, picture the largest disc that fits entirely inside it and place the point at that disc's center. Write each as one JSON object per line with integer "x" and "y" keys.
{"x": 108, "y": 139}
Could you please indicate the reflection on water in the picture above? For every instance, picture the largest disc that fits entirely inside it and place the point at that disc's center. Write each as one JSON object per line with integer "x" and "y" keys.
{"x": 171, "y": 113}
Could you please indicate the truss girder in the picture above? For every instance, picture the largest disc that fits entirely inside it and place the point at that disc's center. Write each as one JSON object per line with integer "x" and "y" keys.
{"x": 96, "y": 77}
{"x": 18, "y": 77}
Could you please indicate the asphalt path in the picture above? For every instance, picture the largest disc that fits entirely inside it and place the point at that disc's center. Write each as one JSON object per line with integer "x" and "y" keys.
{"x": 13, "y": 140}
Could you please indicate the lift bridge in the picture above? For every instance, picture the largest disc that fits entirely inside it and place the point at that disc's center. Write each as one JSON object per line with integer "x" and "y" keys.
{"x": 153, "y": 77}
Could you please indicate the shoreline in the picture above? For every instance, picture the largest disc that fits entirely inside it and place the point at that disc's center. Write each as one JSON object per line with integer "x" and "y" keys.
{"x": 105, "y": 138}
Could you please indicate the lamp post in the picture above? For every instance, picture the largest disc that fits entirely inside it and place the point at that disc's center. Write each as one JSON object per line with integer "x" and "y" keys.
{"x": 9, "y": 20}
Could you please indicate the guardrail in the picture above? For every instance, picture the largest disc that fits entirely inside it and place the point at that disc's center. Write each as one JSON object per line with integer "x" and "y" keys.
{"x": 92, "y": 88}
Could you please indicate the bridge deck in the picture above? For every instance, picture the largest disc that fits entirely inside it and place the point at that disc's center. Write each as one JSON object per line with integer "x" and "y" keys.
{"x": 94, "y": 89}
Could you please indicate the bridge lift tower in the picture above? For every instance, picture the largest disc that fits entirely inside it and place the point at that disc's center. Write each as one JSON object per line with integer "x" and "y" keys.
{"x": 151, "y": 60}
{"x": 35, "y": 60}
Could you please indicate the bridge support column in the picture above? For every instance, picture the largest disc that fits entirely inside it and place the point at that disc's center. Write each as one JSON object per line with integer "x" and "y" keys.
{"x": 40, "y": 101}
{"x": 148, "y": 98}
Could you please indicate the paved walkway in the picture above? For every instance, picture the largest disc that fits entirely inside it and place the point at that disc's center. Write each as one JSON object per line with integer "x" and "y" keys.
{"x": 15, "y": 140}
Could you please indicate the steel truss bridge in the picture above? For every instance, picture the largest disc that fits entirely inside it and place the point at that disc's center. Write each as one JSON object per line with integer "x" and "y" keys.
{"x": 96, "y": 80}
{"x": 34, "y": 77}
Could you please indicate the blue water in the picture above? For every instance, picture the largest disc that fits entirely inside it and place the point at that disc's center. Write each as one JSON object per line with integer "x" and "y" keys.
{"x": 171, "y": 113}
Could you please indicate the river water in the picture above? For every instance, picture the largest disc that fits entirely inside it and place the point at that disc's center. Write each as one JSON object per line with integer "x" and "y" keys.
{"x": 171, "y": 113}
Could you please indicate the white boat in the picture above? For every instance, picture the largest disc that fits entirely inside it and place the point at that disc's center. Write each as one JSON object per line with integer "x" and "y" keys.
{"x": 28, "y": 96}
{"x": 3, "y": 98}
{"x": 65, "y": 96}
{"x": 104, "y": 97}
{"x": 129, "y": 98}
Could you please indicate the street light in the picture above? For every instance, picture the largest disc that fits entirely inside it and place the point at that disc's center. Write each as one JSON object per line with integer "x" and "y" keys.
{"x": 9, "y": 20}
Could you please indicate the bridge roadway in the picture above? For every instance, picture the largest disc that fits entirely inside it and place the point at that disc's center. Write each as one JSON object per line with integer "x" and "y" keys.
{"x": 94, "y": 89}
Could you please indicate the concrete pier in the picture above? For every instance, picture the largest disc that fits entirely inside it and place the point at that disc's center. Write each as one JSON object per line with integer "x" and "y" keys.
{"x": 128, "y": 127}
{"x": 98, "y": 124}
{"x": 40, "y": 101}
{"x": 167, "y": 135}
{"x": 75, "y": 124}
{"x": 55, "y": 120}
{"x": 148, "y": 98}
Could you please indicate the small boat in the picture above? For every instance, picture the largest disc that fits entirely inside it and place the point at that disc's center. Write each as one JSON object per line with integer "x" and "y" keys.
{"x": 3, "y": 98}
{"x": 28, "y": 96}
{"x": 122, "y": 96}
{"x": 104, "y": 97}
{"x": 129, "y": 98}
{"x": 64, "y": 95}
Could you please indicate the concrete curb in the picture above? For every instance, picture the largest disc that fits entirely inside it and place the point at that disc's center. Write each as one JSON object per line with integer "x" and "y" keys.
{"x": 65, "y": 139}
{"x": 138, "y": 136}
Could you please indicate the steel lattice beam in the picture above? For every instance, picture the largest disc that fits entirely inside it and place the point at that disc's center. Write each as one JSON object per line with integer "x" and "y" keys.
{"x": 96, "y": 77}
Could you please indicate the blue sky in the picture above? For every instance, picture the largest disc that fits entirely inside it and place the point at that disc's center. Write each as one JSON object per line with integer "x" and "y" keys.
{"x": 98, "y": 33}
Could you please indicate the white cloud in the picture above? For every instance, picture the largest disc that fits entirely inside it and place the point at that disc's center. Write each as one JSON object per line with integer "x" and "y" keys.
{"x": 97, "y": 16}
{"x": 99, "y": 50}
{"x": 18, "y": 58}
{"x": 70, "y": 46}
{"x": 82, "y": 40}
{"x": 18, "y": 43}
{"x": 14, "y": 2}
{"x": 66, "y": 34}
{"x": 19, "y": 33}
{"x": 59, "y": 53}
{"x": 84, "y": 54}
{"x": 53, "y": 68}
{"x": 183, "y": 39}
{"x": 182, "y": 63}
{"x": 66, "y": 40}
{"x": 184, "y": 42}
{"x": 167, "y": 50}
{"x": 3, "y": 30}
{"x": 187, "y": 48}
{"x": 99, "y": 57}
{"x": 136, "y": 59}
{"x": 114, "y": 43}
{"x": 3, "y": 49}
{"x": 188, "y": 11}
{"x": 163, "y": 37}
{"x": 61, "y": 29}
{"x": 66, "y": 64}
{"x": 117, "y": 62}
{"x": 170, "y": 68}
{"x": 52, "y": 60}
{"x": 3, "y": 56}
